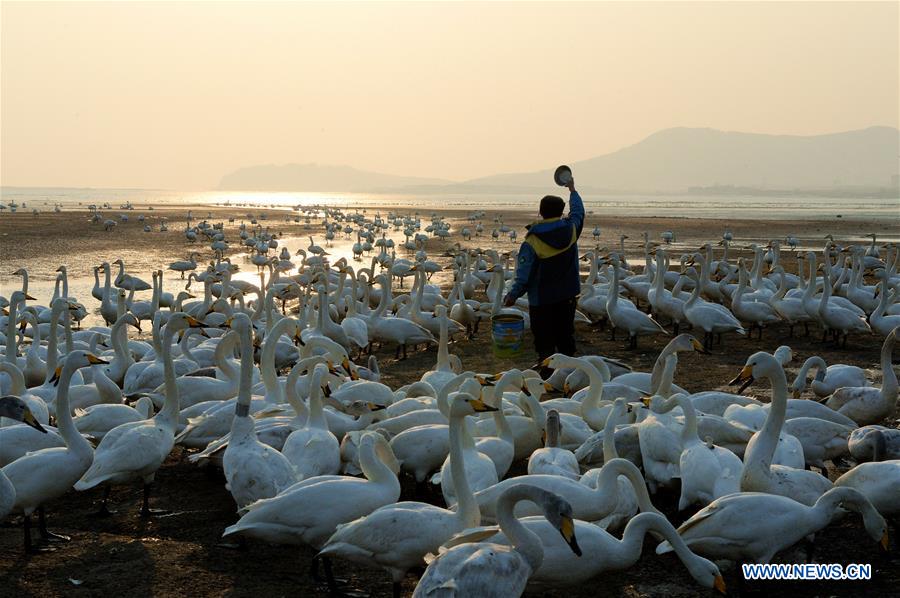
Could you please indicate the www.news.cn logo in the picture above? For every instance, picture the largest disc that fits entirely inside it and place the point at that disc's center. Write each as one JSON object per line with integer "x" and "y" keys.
{"x": 807, "y": 571}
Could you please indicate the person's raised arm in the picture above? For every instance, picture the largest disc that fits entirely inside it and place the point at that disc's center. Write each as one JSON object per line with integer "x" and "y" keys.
{"x": 576, "y": 207}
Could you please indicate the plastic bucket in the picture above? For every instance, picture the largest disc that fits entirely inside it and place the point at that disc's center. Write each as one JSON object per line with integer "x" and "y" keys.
{"x": 507, "y": 332}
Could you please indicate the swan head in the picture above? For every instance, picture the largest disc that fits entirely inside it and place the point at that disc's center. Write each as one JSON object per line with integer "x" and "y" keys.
{"x": 707, "y": 574}
{"x": 15, "y": 408}
{"x": 758, "y": 365}
{"x": 687, "y": 342}
{"x": 559, "y": 513}
{"x": 77, "y": 360}
{"x": 463, "y": 403}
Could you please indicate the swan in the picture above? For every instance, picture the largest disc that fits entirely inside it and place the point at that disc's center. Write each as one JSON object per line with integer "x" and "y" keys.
{"x": 41, "y": 476}
{"x": 36, "y": 405}
{"x": 707, "y": 471}
{"x": 759, "y": 473}
{"x": 827, "y": 379}
{"x": 711, "y": 318}
{"x": 308, "y": 512}
{"x": 867, "y": 404}
{"x": 97, "y": 420}
{"x": 588, "y": 503}
{"x": 138, "y": 449}
{"x": 838, "y": 319}
{"x": 252, "y": 469}
{"x": 494, "y": 570}
{"x": 185, "y": 265}
{"x": 382, "y": 537}
{"x": 606, "y": 552}
{"x": 634, "y": 321}
{"x": 878, "y": 481}
{"x": 15, "y": 409}
{"x": 753, "y": 526}
{"x": 312, "y": 450}
{"x": 551, "y": 459}
{"x": 862, "y": 442}
{"x": 442, "y": 371}
{"x": 881, "y": 320}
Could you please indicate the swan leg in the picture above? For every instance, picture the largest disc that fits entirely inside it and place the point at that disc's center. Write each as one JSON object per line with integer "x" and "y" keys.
{"x": 103, "y": 510}
{"x": 675, "y": 328}
{"x": 46, "y": 534}
{"x": 29, "y": 546}
{"x": 146, "y": 511}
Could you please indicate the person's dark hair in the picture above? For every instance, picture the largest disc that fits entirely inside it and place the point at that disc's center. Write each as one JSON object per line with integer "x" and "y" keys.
{"x": 552, "y": 206}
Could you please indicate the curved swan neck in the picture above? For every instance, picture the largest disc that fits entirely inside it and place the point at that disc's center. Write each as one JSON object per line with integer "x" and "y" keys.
{"x": 889, "y": 377}
{"x": 761, "y": 453}
{"x": 169, "y": 411}
{"x": 525, "y": 541}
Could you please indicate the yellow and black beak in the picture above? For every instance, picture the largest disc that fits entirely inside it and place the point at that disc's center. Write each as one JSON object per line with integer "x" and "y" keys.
{"x": 646, "y": 401}
{"x": 326, "y": 390}
{"x": 698, "y": 347}
{"x": 480, "y": 406}
{"x": 137, "y": 325}
{"x": 195, "y": 323}
{"x": 22, "y": 326}
{"x": 29, "y": 297}
{"x": 54, "y": 380}
{"x": 567, "y": 529}
{"x": 28, "y": 418}
{"x": 884, "y": 540}
{"x": 547, "y": 386}
{"x": 546, "y": 363}
{"x": 719, "y": 584}
{"x": 375, "y": 406}
{"x": 566, "y": 388}
{"x": 485, "y": 381}
{"x": 744, "y": 379}
{"x": 94, "y": 360}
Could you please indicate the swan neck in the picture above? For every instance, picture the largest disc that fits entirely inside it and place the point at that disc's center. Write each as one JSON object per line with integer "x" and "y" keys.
{"x": 467, "y": 509}
{"x": 73, "y": 439}
{"x": 525, "y": 541}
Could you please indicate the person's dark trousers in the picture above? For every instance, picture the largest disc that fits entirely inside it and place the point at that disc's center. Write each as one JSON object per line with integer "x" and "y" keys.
{"x": 553, "y": 327}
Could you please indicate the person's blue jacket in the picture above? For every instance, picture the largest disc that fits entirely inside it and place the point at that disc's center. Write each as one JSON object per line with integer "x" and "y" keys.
{"x": 547, "y": 266}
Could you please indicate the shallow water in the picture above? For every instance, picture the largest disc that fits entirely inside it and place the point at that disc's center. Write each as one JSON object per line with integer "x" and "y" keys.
{"x": 683, "y": 205}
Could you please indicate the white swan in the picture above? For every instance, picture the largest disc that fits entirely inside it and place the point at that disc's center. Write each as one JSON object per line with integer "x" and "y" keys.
{"x": 308, "y": 512}
{"x": 138, "y": 449}
{"x": 878, "y": 481}
{"x": 15, "y": 409}
{"x": 382, "y": 538}
{"x": 759, "y": 473}
{"x": 551, "y": 459}
{"x": 868, "y": 404}
{"x": 252, "y": 469}
{"x": 753, "y": 526}
{"x": 495, "y": 570}
{"x": 312, "y": 450}
{"x": 44, "y": 475}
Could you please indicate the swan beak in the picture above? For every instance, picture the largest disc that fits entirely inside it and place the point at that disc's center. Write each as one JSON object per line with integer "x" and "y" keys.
{"x": 646, "y": 401}
{"x": 29, "y": 297}
{"x": 699, "y": 348}
{"x": 546, "y": 363}
{"x": 28, "y": 418}
{"x": 745, "y": 378}
{"x": 884, "y": 540}
{"x": 480, "y": 406}
{"x": 22, "y": 326}
{"x": 4, "y": 311}
{"x": 226, "y": 323}
{"x": 138, "y": 325}
{"x": 326, "y": 391}
{"x": 194, "y": 322}
{"x": 567, "y": 529}
{"x": 566, "y": 389}
{"x": 375, "y": 407}
{"x": 485, "y": 381}
{"x": 544, "y": 438}
{"x": 55, "y": 378}
{"x": 547, "y": 386}
{"x": 94, "y": 360}
{"x": 719, "y": 584}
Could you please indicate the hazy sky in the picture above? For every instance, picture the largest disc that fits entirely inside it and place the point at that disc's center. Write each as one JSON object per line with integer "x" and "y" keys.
{"x": 176, "y": 95}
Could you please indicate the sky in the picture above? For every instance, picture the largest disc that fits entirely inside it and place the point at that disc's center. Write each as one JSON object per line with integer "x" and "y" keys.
{"x": 176, "y": 95}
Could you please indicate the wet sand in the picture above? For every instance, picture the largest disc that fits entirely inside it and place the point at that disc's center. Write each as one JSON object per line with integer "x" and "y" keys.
{"x": 179, "y": 554}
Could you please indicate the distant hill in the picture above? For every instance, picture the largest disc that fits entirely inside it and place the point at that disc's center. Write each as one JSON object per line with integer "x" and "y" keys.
{"x": 316, "y": 177}
{"x": 679, "y": 158}
{"x": 671, "y": 160}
